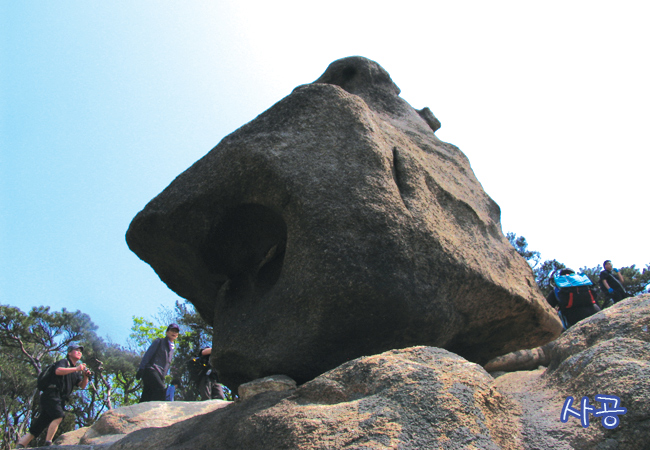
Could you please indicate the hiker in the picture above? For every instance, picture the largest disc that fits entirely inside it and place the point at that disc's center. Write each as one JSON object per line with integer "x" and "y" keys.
{"x": 155, "y": 365}
{"x": 62, "y": 378}
{"x": 611, "y": 283}
{"x": 572, "y": 297}
{"x": 171, "y": 389}
{"x": 208, "y": 383}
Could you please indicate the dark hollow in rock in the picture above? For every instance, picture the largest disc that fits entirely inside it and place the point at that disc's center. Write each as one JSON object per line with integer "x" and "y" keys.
{"x": 247, "y": 246}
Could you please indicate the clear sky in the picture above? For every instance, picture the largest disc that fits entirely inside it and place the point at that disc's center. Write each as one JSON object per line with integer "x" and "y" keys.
{"x": 102, "y": 104}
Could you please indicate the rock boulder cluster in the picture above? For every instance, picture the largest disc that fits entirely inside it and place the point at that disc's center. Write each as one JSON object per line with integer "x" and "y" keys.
{"x": 422, "y": 397}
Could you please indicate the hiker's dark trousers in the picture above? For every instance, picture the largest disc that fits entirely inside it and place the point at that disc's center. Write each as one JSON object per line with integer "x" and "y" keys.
{"x": 617, "y": 296}
{"x": 50, "y": 410}
{"x": 153, "y": 386}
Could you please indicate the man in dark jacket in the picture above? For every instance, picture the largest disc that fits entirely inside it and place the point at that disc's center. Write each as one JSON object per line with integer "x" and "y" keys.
{"x": 611, "y": 283}
{"x": 66, "y": 375}
{"x": 155, "y": 365}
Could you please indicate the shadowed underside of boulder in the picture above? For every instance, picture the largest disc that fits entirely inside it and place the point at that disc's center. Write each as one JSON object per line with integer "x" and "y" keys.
{"x": 335, "y": 225}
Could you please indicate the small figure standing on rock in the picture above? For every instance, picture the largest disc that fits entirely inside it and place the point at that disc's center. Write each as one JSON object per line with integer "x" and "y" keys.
{"x": 61, "y": 379}
{"x": 171, "y": 389}
{"x": 208, "y": 383}
{"x": 155, "y": 365}
{"x": 611, "y": 283}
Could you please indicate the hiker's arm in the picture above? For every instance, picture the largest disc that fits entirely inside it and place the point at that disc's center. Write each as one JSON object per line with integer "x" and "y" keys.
{"x": 84, "y": 381}
{"x": 206, "y": 351}
{"x": 606, "y": 285}
{"x": 149, "y": 354}
{"x": 68, "y": 370}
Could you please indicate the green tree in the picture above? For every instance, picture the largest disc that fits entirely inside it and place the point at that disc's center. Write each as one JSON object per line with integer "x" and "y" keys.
{"x": 544, "y": 273}
{"x": 636, "y": 281}
{"x": 521, "y": 245}
{"x": 17, "y": 388}
{"x": 117, "y": 369}
{"x": 143, "y": 332}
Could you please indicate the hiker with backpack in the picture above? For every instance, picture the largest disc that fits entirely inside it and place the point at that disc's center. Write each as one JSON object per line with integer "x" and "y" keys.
{"x": 56, "y": 384}
{"x": 572, "y": 295}
{"x": 611, "y": 283}
{"x": 205, "y": 377}
{"x": 155, "y": 364}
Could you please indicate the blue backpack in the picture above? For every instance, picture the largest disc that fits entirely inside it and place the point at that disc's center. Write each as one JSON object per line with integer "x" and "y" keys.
{"x": 574, "y": 290}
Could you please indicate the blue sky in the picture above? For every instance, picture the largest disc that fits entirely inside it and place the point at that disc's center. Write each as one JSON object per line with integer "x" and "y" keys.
{"x": 103, "y": 104}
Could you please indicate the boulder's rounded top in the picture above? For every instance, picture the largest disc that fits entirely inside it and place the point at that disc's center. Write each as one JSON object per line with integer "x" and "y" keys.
{"x": 359, "y": 75}
{"x": 371, "y": 82}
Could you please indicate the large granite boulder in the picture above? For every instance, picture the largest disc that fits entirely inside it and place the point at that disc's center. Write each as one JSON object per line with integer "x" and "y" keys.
{"x": 334, "y": 225}
{"x": 415, "y": 398}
